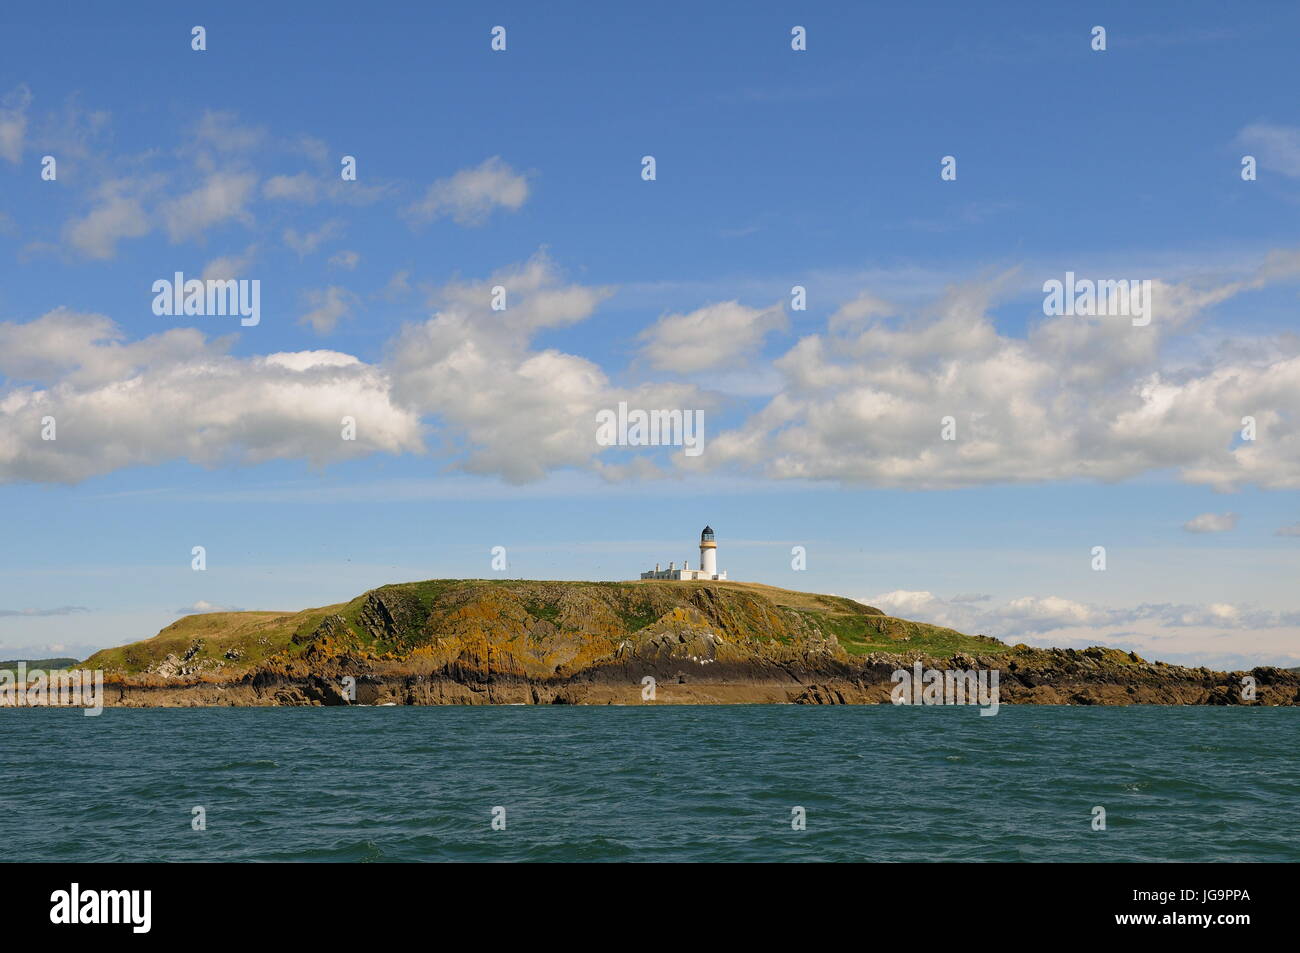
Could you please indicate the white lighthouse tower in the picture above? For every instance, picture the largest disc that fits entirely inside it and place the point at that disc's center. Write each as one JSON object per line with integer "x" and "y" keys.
{"x": 708, "y": 554}
{"x": 708, "y": 563}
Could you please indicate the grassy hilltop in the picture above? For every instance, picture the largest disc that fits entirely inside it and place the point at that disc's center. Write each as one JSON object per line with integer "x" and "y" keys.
{"x": 532, "y": 627}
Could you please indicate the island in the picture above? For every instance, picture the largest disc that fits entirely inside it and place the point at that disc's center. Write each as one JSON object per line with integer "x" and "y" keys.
{"x": 642, "y": 642}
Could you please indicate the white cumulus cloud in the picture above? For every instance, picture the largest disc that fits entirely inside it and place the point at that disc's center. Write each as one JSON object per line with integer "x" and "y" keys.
{"x": 328, "y": 307}
{"x": 1212, "y": 523}
{"x": 13, "y": 123}
{"x": 179, "y": 395}
{"x": 708, "y": 337}
{"x": 1074, "y": 398}
{"x": 471, "y": 195}
{"x": 221, "y": 197}
{"x": 118, "y": 213}
{"x": 513, "y": 410}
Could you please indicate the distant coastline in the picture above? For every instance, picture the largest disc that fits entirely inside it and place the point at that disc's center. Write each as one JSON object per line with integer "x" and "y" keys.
{"x": 45, "y": 664}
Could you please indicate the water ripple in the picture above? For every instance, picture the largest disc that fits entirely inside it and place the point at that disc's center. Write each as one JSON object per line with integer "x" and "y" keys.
{"x": 650, "y": 784}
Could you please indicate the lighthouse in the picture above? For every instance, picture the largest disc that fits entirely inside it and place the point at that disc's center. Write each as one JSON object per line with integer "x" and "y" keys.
{"x": 708, "y": 563}
{"x": 708, "y": 553}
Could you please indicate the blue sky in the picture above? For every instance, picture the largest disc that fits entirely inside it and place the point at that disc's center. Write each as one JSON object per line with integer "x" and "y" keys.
{"x": 774, "y": 168}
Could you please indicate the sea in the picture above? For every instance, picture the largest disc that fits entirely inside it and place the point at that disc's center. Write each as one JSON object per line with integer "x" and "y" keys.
{"x": 670, "y": 783}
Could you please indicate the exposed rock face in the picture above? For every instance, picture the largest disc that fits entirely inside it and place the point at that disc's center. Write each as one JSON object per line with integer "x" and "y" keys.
{"x": 480, "y": 642}
{"x": 821, "y": 695}
{"x": 389, "y": 614}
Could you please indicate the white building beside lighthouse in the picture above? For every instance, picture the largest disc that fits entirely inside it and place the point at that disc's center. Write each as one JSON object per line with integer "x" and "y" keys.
{"x": 708, "y": 563}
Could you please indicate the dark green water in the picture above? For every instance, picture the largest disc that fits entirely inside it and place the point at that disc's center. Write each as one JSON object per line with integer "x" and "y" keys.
{"x": 671, "y": 783}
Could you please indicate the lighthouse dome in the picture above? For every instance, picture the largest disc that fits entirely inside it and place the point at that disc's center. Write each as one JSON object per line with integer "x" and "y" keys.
{"x": 707, "y": 535}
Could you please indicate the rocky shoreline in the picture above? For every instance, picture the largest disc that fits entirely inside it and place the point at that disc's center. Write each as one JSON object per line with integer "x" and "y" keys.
{"x": 1036, "y": 677}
